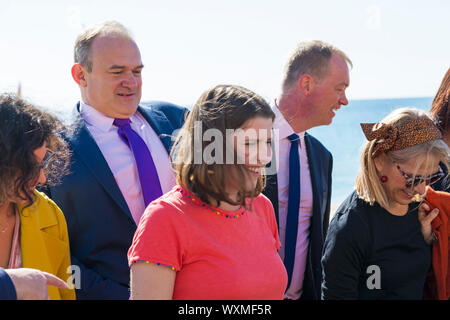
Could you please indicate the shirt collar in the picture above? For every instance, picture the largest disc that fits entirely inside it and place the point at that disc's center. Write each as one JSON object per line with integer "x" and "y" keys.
{"x": 95, "y": 118}
{"x": 283, "y": 127}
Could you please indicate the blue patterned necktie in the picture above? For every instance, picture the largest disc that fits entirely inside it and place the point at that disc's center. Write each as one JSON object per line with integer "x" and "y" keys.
{"x": 293, "y": 206}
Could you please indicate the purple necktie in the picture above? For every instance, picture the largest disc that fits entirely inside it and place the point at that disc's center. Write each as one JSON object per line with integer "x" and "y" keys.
{"x": 148, "y": 176}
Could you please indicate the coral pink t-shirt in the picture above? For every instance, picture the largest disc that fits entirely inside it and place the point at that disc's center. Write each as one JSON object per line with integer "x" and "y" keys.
{"x": 217, "y": 254}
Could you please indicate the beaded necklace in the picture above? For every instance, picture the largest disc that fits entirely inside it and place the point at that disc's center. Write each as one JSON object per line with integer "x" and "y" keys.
{"x": 216, "y": 211}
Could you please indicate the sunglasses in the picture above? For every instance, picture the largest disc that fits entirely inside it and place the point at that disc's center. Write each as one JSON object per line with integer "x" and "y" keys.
{"x": 414, "y": 181}
{"x": 44, "y": 164}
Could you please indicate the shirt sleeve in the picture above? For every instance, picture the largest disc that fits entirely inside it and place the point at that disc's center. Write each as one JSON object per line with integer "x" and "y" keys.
{"x": 158, "y": 238}
{"x": 7, "y": 289}
{"x": 344, "y": 255}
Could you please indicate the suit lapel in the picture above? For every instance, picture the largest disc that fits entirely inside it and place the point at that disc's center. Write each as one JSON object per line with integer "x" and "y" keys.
{"x": 316, "y": 179}
{"x": 271, "y": 188}
{"x": 271, "y": 192}
{"x": 86, "y": 148}
{"x": 160, "y": 124}
{"x": 40, "y": 250}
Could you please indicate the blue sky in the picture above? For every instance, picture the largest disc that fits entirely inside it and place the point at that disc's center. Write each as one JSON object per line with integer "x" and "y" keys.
{"x": 398, "y": 48}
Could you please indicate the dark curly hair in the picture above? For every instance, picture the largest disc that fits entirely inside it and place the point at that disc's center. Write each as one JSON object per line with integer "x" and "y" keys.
{"x": 23, "y": 129}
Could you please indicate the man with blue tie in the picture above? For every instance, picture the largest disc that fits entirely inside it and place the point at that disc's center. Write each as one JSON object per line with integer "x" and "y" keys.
{"x": 120, "y": 160}
{"x": 313, "y": 88}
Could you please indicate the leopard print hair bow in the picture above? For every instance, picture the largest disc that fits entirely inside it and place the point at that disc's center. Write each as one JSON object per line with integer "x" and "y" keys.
{"x": 390, "y": 138}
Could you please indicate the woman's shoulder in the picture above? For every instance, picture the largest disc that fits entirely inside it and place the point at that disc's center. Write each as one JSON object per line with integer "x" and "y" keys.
{"x": 171, "y": 205}
{"x": 44, "y": 213}
{"x": 262, "y": 199}
{"x": 46, "y": 206}
{"x": 353, "y": 203}
{"x": 261, "y": 203}
{"x": 262, "y": 207}
{"x": 352, "y": 216}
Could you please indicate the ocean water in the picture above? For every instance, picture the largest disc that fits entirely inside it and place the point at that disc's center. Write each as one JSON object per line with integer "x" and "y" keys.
{"x": 344, "y": 137}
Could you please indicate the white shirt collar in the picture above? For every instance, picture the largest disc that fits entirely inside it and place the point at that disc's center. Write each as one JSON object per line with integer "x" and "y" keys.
{"x": 280, "y": 123}
{"x": 95, "y": 118}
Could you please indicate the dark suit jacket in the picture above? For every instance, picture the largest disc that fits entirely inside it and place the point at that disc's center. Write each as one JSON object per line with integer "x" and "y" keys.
{"x": 99, "y": 222}
{"x": 7, "y": 289}
{"x": 320, "y": 163}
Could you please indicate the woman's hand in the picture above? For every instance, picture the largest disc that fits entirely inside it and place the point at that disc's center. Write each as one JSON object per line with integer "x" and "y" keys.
{"x": 31, "y": 284}
{"x": 425, "y": 218}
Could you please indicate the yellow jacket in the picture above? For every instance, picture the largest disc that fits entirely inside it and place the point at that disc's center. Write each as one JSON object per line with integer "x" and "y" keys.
{"x": 45, "y": 242}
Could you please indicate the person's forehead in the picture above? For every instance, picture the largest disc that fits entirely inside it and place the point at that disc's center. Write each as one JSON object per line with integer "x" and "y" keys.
{"x": 421, "y": 165}
{"x": 258, "y": 122}
{"x": 114, "y": 49}
{"x": 338, "y": 70}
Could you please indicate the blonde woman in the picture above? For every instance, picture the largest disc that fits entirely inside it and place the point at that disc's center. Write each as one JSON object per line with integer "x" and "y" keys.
{"x": 378, "y": 243}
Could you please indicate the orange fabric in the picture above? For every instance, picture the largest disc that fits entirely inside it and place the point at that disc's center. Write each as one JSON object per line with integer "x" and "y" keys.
{"x": 438, "y": 280}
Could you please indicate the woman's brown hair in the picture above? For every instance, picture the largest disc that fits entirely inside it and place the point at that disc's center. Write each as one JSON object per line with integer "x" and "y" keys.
{"x": 222, "y": 108}
{"x": 440, "y": 107}
{"x": 23, "y": 129}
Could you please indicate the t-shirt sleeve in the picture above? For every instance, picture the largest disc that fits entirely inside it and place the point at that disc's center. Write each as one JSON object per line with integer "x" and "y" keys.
{"x": 344, "y": 255}
{"x": 159, "y": 237}
{"x": 271, "y": 219}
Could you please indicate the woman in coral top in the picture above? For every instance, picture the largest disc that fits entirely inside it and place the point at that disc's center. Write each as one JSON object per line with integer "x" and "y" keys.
{"x": 214, "y": 236}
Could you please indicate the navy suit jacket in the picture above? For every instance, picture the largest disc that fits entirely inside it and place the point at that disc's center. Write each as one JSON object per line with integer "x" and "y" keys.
{"x": 100, "y": 224}
{"x": 7, "y": 289}
{"x": 320, "y": 163}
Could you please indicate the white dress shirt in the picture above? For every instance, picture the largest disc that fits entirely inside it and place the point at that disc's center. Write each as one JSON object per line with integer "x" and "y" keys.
{"x": 120, "y": 158}
{"x": 306, "y": 201}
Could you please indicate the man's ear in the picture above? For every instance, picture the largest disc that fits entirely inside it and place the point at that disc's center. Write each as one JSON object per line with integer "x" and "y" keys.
{"x": 306, "y": 84}
{"x": 78, "y": 74}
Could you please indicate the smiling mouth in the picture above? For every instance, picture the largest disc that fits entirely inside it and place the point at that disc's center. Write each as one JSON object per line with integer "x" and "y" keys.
{"x": 336, "y": 108}
{"x": 409, "y": 195}
{"x": 125, "y": 94}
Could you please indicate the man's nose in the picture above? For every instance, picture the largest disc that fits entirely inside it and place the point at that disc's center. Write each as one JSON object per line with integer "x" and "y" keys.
{"x": 343, "y": 100}
{"x": 130, "y": 81}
